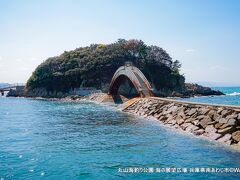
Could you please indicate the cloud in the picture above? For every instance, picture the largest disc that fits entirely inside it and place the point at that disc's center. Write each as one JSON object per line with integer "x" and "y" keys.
{"x": 190, "y": 50}
{"x": 0, "y": 58}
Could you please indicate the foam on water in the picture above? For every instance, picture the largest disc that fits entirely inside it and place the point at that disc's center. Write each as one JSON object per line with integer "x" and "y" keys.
{"x": 234, "y": 94}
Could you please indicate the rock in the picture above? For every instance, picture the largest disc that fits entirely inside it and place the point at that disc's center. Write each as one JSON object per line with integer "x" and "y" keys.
{"x": 226, "y": 130}
{"x": 151, "y": 112}
{"x": 191, "y": 112}
{"x": 236, "y": 136}
{"x": 225, "y": 138}
{"x": 173, "y": 122}
{"x": 229, "y": 142}
{"x": 198, "y": 132}
{"x": 170, "y": 115}
{"x": 173, "y": 109}
{"x": 176, "y": 126}
{"x": 212, "y": 123}
{"x": 210, "y": 129}
{"x": 201, "y": 117}
{"x": 196, "y": 122}
{"x": 181, "y": 114}
{"x": 166, "y": 112}
{"x": 212, "y": 113}
{"x": 219, "y": 110}
{"x": 204, "y": 110}
{"x": 212, "y": 136}
{"x": 162, "y": 118}
{"x": 216, "y": 117}
{"x": 204, "y": 122}
{"x": 231, "y": 122}
{"x": 225, "y": 113}
{"x": 145, "y": 115}
{"x": 181, "y": 109}
{"x": 191, "y": 128}
{"x": 155, "y": 104}
{"x": 141, "y": 113}
{"x": 218, "y": 125}
{"x": 169, "y": 118}
{"x": 194, "y": 115}
{"x": 157, "y": 115}
{"x": 170, "y": 105}
{"x": 232, "y": 116}
{"x": 185, "y": 125}
{"x": 190, "y": 120}
{"x": 179, "y": 120}
{"x": 223, "y": 126}
{"x": 195, "y": 89}
{"x": 223, "y": 120}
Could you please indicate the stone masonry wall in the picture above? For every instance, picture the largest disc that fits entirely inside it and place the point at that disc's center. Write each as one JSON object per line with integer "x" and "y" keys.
{"x": 220, "y": 123}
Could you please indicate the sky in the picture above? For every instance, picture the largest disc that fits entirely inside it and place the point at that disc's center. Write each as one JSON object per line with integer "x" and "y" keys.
{"x": 203, "y": 35}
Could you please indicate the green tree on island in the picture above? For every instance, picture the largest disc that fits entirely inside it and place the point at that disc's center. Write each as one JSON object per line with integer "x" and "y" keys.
{"x": 94, "y": 66}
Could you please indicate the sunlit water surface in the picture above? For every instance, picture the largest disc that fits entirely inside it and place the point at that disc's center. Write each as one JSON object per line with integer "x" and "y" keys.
{"x": 61, "y": 140}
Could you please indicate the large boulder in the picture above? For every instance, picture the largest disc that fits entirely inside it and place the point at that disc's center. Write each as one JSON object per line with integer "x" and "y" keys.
{"x": 195, "y": 89}
{"x": 236, "y": 136}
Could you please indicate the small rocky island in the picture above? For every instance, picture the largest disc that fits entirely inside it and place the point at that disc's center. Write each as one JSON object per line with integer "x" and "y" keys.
{"x": 94, "y": 66}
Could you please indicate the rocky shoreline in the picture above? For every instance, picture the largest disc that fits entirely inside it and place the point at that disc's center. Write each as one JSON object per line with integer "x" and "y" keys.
{"x": 74, "y": 98}
{"x": 188, "y": 90}
{"x": 213, "y": 122}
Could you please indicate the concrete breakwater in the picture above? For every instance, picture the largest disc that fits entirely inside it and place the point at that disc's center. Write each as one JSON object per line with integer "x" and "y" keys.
{"x": 215, "y": 122}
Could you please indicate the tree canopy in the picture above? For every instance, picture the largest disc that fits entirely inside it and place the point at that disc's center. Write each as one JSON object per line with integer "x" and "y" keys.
{"x": 94, "y": 66}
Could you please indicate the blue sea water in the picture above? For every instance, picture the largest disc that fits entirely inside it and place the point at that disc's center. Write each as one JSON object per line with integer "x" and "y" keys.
{"x": 42, "y": 139}
{"x": 231, "y": 97}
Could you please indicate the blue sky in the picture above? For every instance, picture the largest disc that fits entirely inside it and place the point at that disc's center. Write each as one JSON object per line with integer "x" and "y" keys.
{"x": 204, "y": 35}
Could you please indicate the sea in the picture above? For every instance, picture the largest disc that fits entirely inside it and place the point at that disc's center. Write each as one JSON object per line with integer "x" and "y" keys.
{"x": 42, "y": 139}
{"x": 231, "y": 97}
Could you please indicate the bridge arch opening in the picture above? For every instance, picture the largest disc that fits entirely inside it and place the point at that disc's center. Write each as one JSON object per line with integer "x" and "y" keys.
{"x": 124, "y": 86}
{"x": 136, "y": 78}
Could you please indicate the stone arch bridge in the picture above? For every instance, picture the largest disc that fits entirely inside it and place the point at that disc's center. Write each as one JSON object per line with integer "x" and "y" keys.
{"x": 132, "y": 73}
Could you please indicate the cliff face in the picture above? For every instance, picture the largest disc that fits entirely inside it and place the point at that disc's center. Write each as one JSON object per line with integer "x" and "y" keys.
{"x": 95, "y": 65}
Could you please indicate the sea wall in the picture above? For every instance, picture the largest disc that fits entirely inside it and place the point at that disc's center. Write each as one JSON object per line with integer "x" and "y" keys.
{"x": 42, "y": 92}
{"x": 220, "y": 123}
{"x": 17, "y": 92}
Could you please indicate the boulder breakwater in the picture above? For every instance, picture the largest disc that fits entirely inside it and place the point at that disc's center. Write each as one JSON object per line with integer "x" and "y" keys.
{"x": 215, "y": 122}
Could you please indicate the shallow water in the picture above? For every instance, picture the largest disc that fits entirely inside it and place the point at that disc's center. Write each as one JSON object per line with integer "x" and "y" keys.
{"x": 61, "y": 140}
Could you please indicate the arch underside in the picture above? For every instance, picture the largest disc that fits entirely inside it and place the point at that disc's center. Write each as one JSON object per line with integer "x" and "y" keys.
{"x": 136, "y": 77}
{"x": 124, "y": 86}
